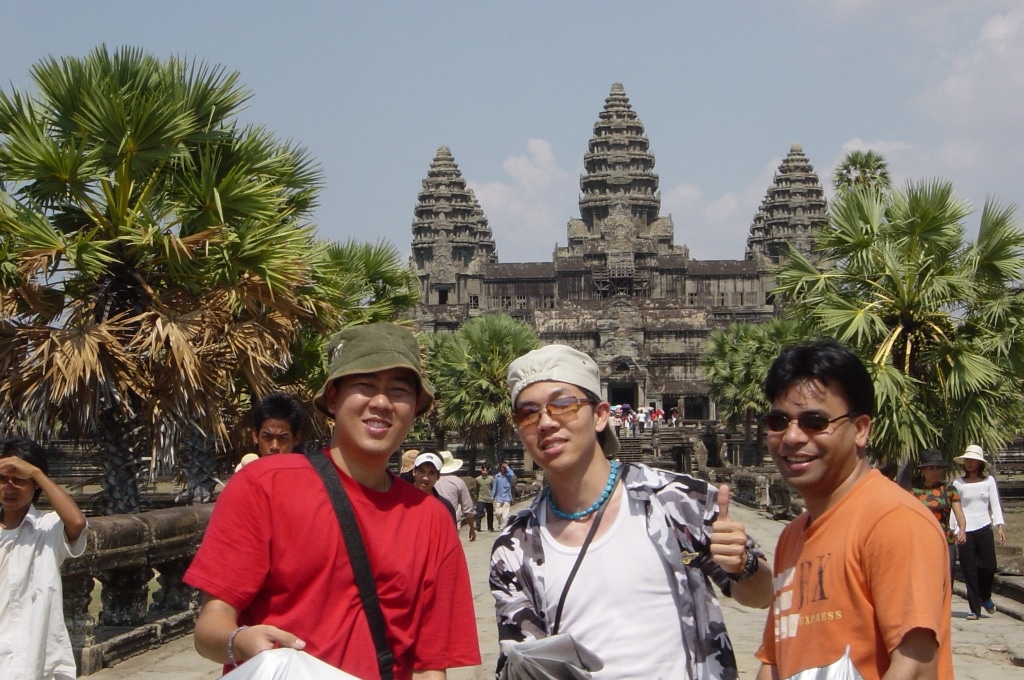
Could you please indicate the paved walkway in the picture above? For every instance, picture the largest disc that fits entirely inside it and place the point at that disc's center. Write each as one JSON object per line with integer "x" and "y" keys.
{"x": 983, "y": 650}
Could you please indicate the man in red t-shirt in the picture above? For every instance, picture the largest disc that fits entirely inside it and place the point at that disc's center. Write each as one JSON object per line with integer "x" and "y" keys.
{"x": 273, "y": 565}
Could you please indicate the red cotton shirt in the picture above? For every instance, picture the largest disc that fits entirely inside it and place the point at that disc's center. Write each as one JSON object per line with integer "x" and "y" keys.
{"x": 273, "y": 551}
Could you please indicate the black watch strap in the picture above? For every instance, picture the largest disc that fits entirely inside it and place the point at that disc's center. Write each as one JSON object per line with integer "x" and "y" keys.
{"x": 750, "y": 566}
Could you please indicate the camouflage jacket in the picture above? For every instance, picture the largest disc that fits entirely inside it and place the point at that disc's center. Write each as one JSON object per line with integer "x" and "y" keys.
{"x": 680, "y": 511}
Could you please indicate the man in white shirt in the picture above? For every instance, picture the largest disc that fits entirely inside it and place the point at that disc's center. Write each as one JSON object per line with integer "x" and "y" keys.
{"x": 641, "y": 598}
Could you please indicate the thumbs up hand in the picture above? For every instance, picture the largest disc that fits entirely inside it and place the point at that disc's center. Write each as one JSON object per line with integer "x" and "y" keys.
{"x": 728, "y": 538}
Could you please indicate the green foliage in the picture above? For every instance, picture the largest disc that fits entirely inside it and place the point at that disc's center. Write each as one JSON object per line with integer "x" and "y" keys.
{"x": 861, "y": 169}
{"x": 155, "y": 260}
{"x": 469, "y": 369}
{"x": 935, "y": 317}
{"x": 736, "y": 361}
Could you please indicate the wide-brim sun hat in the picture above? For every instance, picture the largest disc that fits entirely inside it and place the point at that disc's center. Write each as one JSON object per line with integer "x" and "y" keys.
{"x": 373, "y": 348}
{"x": 561, "y": 363}
{"x": 973, "y": 452}
{"x": 408, "y": 461}
{"x": 931, "y": 458}
{"x": 450, "y": 463}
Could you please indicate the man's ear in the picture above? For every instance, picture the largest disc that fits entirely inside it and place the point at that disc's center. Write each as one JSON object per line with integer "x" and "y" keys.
{"x": 255, "y": 436}
{"x": 863, "y": 425}
{"x": 330, "y": 394}
{"x": 602, "y": 411}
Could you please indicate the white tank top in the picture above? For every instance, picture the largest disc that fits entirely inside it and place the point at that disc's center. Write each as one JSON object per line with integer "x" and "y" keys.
{"x": 622, "y": 603}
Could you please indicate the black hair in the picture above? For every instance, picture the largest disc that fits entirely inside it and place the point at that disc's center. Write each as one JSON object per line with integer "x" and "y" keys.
{"x": 28, "y": 451}
{"x": 826, "y": 361}
{"x": 279, "y": 406}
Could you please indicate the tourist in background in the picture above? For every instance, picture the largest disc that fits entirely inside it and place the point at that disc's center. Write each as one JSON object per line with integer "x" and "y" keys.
{"x": 943, "y": 500}
{"x": 426, "y": 470}
{"x": 485, "y": 497}
{"x": 34, "y": 642}
{"x": 857, "y": 575}
{"x": 504, "y": 483}
{"x": 276, "y": 424}
{"x": 980, "y": 499}
{"x": 455, "y": 491}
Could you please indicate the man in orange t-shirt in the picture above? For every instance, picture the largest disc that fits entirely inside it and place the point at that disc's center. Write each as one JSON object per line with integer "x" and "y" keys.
{"x": 861, "y": 577}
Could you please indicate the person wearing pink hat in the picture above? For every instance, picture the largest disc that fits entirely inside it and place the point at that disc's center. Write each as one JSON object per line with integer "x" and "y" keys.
{"x": 980, "y": 500}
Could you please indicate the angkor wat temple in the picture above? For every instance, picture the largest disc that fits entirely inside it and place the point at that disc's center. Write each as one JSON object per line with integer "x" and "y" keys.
{"x": 621, "y": 290}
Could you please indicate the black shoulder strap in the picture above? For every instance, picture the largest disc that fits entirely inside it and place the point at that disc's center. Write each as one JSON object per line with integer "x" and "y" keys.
{"x": 357, "y": 556}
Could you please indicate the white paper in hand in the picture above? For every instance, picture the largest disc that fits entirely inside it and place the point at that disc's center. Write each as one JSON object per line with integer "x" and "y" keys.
{"x": 287, "y": 664}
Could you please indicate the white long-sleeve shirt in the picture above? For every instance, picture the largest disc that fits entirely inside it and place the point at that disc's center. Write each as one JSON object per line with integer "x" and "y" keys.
{"x": 980, "y": 502}
{"x": 33, "y": 640}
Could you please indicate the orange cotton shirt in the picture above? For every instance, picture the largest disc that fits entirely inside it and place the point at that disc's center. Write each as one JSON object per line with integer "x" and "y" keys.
{"x": 863, "y": 575}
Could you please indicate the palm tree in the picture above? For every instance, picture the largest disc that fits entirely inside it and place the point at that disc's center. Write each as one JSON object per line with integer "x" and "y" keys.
{"x": 936, "y": 317}
{"x": 735, "y": 363}
{"x": 861, "y": 168}
{"x": 353, "y": 283}
{"x": 153, "y": 255}
{"x": 469, "y": 369}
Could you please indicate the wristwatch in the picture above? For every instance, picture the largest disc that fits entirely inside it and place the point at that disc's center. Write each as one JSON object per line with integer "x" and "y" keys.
{"x": 750, "y": 566}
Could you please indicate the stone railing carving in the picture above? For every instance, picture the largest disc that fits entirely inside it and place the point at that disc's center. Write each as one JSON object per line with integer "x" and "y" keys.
{"x": 124, "y": 554}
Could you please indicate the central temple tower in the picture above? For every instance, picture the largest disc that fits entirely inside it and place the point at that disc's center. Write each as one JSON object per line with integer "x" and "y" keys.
{"x": 620, "y": 233}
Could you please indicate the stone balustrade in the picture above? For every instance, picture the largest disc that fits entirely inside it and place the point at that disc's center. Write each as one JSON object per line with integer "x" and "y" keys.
{"x": 124, "y": 554}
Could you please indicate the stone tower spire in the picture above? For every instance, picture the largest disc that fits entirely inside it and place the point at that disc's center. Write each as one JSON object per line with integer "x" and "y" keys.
{"x": 793, "y": 209}
{"x": 619, "y": 164}
{"x": 620, "y": 234}
{"x": 450, "y": 236}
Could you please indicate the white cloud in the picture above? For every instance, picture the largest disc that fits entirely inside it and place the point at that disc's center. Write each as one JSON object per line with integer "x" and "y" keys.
{"x": 983, "y": 87}
{"x": 528, "y": 213}
{"x": 716, "y": 228}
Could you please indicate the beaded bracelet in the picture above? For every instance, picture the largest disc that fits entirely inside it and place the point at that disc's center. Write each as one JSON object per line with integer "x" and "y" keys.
{"x": 231, "y": 645}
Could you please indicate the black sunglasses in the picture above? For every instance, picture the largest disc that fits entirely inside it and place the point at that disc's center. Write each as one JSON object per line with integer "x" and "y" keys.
{"x": 808, "y": 422}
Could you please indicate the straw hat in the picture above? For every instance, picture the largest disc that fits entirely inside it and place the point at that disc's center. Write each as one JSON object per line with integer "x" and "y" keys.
{"x": 973, "y": 452}
{"x": 450, "y": 462}
{"x": 408, "y": 460}
{"x": 246, "y": 459}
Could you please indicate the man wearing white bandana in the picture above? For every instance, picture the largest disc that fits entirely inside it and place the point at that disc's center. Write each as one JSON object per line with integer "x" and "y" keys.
{"x": 641, "y": 596}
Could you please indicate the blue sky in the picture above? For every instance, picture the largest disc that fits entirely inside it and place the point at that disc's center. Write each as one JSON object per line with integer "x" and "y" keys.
{"x": 372, "y": 89}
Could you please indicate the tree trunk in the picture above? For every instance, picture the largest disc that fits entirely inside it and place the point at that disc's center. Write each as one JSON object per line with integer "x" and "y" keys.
{"x": 198, "y": 460}
{"x": 121, "y": 494}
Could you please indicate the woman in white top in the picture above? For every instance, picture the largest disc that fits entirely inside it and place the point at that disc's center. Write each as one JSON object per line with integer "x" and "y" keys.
{"x": 979, "y": 498}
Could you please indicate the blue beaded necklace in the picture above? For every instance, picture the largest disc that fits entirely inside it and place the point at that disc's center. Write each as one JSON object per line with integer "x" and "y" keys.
{"x": 572, "y": 516}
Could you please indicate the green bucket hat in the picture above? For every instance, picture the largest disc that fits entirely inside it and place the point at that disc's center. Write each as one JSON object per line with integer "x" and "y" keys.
{"x": 372, "y": 348}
